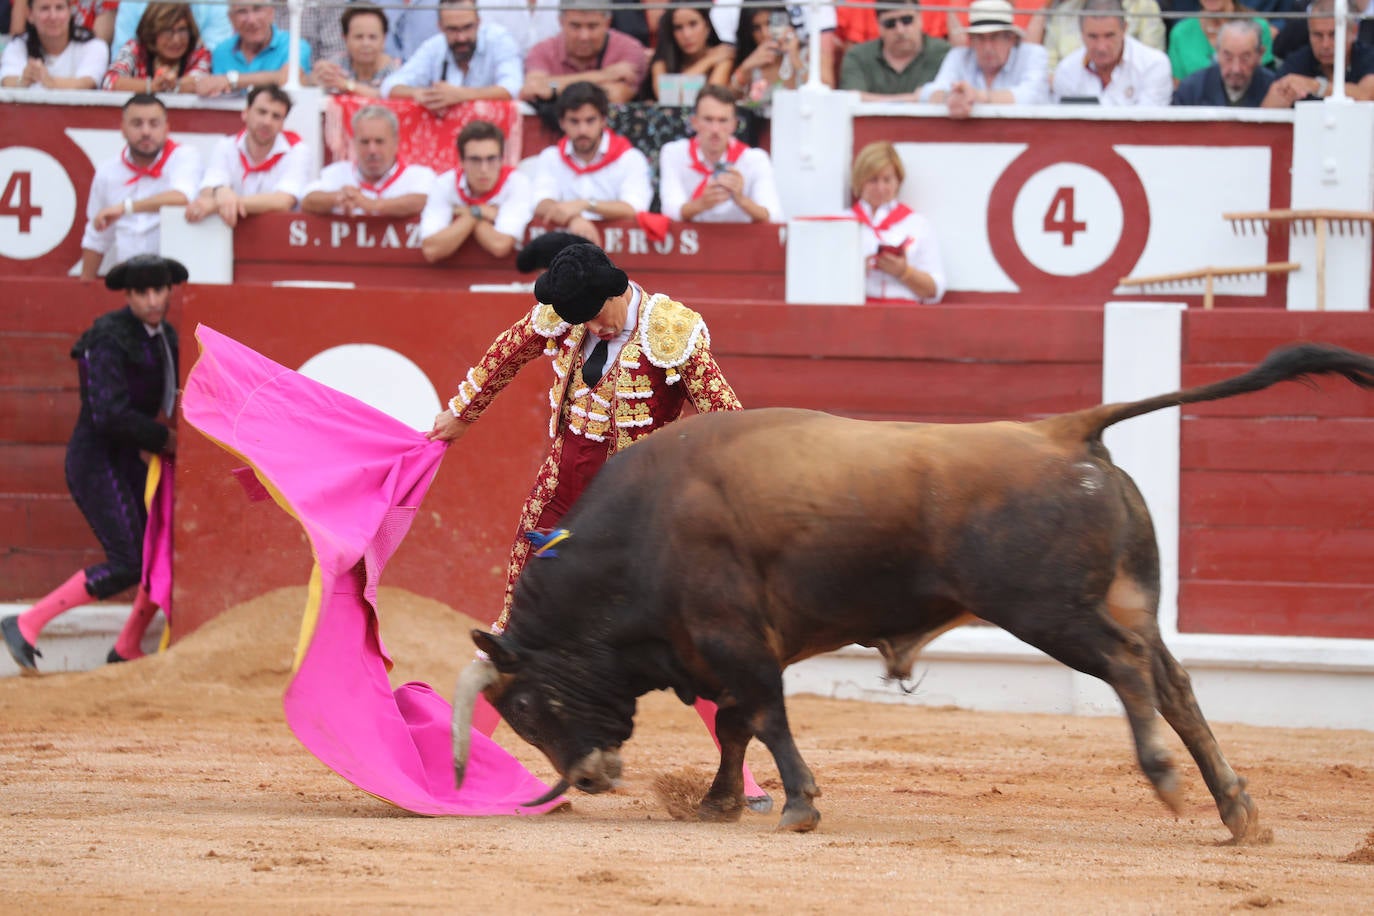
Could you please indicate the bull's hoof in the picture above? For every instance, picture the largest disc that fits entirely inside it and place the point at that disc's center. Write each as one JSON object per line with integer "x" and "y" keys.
{"x": 1242, "y": 818}
{"x": 799, "y": 818}
{"x": 719, "y": 810}
{"x": 759, "y": 804}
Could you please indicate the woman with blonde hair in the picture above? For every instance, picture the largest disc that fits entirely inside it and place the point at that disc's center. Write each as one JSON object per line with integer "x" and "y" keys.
{"x": 902, "y": 252}
{"x": 165, "y": 54}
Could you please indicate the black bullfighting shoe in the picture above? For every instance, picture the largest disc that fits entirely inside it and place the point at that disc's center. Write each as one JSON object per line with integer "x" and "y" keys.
{"x": 759, "y": 804}
{"x": 114, "y": 657}
{"x": 20, "y": 650}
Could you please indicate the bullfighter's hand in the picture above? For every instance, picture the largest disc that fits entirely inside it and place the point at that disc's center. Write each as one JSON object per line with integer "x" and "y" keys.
{"x": 447, "y": 427}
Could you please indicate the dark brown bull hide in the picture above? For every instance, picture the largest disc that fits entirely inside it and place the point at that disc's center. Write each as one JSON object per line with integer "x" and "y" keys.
{"x": 728, "y": 546}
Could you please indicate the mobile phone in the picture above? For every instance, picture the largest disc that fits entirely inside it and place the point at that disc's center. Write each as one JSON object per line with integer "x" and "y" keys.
{"x": 898, "y": 250}
{"x": 778, "y": 24}
{"x": 720, "y": 167}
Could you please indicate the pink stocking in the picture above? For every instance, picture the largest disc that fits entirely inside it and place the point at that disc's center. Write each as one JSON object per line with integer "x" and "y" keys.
{"x": 707, "y": 710}
{"x": 66, "y": 596}
{"x": 128, "y": 644}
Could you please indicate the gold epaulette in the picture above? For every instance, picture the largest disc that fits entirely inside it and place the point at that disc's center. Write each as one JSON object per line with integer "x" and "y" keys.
{"x": 669, "y": 331}
{"x": 546, "y": 322}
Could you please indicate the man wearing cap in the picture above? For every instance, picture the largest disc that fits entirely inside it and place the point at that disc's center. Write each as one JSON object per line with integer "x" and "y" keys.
{"x": 1113, "y": 67}
{"x": 261, "y": 169}
{"x": 997, "y": 67}
{"x": 591, "y": 174}
{"x": 127, "y": 367}
{"x": 625, "y": 363}
{"x": 129, "y": 191}
{"x": 377, "y": 182}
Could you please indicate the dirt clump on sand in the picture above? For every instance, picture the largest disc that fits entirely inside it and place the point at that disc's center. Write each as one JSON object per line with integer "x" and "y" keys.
{"x": 173, "y": 783}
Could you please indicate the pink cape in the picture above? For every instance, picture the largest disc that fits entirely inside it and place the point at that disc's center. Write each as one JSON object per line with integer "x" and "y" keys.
{"x": 158, "y": 494}
{"x": 354, "y": 478}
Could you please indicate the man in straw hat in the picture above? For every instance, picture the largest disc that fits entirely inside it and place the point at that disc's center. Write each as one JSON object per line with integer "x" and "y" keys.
{"x": 625, "y": 363}
{"x": 127, "y": 366}
{"x": 996, "y": 68}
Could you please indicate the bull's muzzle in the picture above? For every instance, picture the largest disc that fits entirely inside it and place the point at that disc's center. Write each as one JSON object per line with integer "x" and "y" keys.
{"x": 478, "y": 676}
{"x": 596, "y": 772}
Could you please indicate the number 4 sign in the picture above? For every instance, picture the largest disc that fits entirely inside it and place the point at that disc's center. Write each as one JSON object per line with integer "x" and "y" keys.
{"x": 37, "y": 203}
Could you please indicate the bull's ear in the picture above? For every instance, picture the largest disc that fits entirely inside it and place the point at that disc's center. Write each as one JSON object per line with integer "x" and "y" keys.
{"x": 495, "y": 648}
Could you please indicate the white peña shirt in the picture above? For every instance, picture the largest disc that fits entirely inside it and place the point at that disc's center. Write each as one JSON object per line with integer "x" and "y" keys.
{"x": 401, "y": 179}
{"x": 115, "y": 182}
{"x": 678, "y": 181}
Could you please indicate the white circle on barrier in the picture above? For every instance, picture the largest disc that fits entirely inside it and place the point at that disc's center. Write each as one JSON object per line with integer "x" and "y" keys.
{"x": 37, "y": 203}
{"x": 1068, "y": 219}
{"x": 379, "y": 377}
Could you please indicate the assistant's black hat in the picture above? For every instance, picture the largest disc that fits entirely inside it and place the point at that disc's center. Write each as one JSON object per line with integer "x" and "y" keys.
{"x": 579, "y": 281}
{"x": 146, "y": 271}
{"x": 541, "y": 251}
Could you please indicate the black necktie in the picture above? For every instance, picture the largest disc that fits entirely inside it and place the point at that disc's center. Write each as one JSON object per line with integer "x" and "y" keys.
{"x": 595, "y": 364}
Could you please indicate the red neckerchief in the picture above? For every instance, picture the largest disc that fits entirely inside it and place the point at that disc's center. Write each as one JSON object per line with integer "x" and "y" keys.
{"x": 733, "y": 150}
{"x": 495, "y": 189}
{"x": 617, "y": 147}
{"x": 899, "y": 212}
{"x": 267, "y": 164}
{"x": 386, "y": 182}
{"x": 152, "y": 171}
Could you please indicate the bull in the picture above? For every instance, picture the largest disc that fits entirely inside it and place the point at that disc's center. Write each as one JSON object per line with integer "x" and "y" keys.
{"x": 714, "y": 554}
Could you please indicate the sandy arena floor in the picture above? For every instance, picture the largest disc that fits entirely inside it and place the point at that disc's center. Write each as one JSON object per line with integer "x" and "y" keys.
{"x": 173, "y": 783}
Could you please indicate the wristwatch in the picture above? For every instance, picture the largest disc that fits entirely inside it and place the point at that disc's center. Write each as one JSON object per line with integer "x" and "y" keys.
{"x": 591, "y": 204}
{"x": 476, "y": 212}
{"x": 233, "y": 77}
{"x": 1322, "y": 85}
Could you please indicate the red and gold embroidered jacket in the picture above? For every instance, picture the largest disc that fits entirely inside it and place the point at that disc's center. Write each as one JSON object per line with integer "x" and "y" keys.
{"x": 666, "y": 362}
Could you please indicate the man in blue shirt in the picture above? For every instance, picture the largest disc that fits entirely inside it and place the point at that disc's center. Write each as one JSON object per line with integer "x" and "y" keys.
{"x": 1236, "y": 80}
{"x": 255, "y": 56}
{"x": 465, "y": 61}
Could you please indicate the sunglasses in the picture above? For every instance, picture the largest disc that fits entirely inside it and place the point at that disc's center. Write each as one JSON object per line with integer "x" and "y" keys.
{"x": 896, "y": 21}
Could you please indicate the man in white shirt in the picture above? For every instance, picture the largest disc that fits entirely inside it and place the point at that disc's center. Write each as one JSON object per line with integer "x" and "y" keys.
{"x": 713, "y": 177}
{"x": 376, "y": 182}
{"x": 483, "y": 199}
{"x": 129, "y": 191}
{"x": 1113, "y": 67}
{"x": 592, "y": 173}
{"x": 467, "y": 60}
{"x": 261, "y": 169}
{"x": 997, "y": 67}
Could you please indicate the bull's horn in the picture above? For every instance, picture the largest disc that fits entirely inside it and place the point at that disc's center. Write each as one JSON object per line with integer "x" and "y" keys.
{"x": 548, "y": 796}
{"x": 475, "y": 678}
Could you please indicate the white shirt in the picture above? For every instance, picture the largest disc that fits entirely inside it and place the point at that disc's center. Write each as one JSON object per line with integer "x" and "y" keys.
{"x": 1143, "y": 76}
{"x": 626, "y": 179}
{"x": 1026, "y": 74}
{"x": 400, "y": 180}
{"x": 514, "y": 204}
{"x": 78, "y": 58}
{"x": 115, "y": 182}
{"x": 290, "y": 174}
{"x": 677, "y": 181}
{"x": 527, "y": 26}
{"x": 922, "y": 252}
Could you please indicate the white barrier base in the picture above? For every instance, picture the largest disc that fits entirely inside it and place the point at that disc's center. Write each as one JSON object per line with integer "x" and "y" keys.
{"x": 80, "y": 639}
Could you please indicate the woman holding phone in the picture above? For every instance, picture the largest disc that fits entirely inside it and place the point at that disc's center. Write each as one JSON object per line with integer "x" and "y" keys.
{"x": 899, "y": 245}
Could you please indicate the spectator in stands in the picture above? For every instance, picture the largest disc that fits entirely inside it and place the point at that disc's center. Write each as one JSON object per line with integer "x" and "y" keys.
{"x": 482, "y": 199}
{"x": 688, "y": 45}
{"x": 212, "y": 19}
{"x": 900, "y": 246}
{"x": 736, "y": 28}
{"x": 528, "y": 23}
{"x": 1063, "y": 34}
{"x": 54, "y": 52}
{"x": 769, "y": 55}
{"x": 997, "y": 67}
{"x": 468, "y": 60}
{"x": 409, "y": 26}
{"x": 590, "y": 50}
{"x": 376, "y": 182}
{"x": 1030, "y": 23}
{"x": 128, "y": 375}
{"x": 1192, "y": 42}
{"x": 1236, "y": 79}
{"x": 1113, "y": 67}
{"x": 165, "y": 56}
{"x": 363, "y": 64}
{"x": 1307, "y": 72}
{"x": 257, "y": 55}
{"x": 896, "y": 64}
{"x": 713, "y": 177}
{"x": 129, "y": 191}
{"x": 592, "y": 173}
{"x": 261, "y": 169}
{"x": 1291, "y": 34}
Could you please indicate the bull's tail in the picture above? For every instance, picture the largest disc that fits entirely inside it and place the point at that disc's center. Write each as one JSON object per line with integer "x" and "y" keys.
{"x": 1295, "y": 362}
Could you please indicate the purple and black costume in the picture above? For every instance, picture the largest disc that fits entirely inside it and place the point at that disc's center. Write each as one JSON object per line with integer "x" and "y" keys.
{"x": 125, "y": 373}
